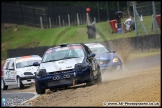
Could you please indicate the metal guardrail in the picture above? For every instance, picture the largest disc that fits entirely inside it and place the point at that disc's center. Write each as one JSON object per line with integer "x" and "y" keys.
{"x": 136, "y": 43}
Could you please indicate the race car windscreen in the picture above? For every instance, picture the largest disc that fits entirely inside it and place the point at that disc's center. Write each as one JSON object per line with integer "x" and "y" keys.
{"x": 63, "y": 53}
{"x": 26, "y": 63}
{"x": 99, "y": 50}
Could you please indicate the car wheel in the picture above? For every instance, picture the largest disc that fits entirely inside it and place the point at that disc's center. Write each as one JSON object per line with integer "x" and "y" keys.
{"x": 39, "y": 91}
{"x": 99, "y": 78}
{"x": 92, "y": 80}
{"x": 3, "y": 86}
{"x": 120, "y": 69}
{"x": 19, "y": 83}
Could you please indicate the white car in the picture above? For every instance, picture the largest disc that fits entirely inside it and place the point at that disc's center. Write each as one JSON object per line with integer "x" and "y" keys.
{"x": 66, "y": 65}
{"x": 19, "y": 71}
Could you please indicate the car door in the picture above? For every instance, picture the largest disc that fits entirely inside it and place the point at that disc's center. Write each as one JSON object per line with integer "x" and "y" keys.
{"x": 93, "y": 61}
{"x": 6, "y": 75}
{"x": 12, "y": 72}
{"x": 94, "y": 66}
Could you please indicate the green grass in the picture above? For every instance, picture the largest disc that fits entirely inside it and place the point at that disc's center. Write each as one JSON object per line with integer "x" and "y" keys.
{"x": 30, "y": 37}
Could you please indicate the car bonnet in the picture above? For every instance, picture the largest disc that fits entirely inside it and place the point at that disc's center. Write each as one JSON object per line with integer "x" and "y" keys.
{"x": 61, "y": 64}
{"x": 105, "y": 56}
{"x": 31, "y": 69}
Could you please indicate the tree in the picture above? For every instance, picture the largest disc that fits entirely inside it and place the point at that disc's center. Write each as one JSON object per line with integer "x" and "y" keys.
{"x": 112, "y": 5}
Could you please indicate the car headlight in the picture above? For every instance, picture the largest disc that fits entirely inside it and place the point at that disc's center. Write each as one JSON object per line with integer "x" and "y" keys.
{"x": 80, "y": 66}
{"x": 42, "y": 72}
{"x": 115, "y": 60}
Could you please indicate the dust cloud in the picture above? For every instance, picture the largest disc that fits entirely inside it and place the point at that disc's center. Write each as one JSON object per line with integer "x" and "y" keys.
{"x": 123, "y": 49}
{"x": 114, "y": 75}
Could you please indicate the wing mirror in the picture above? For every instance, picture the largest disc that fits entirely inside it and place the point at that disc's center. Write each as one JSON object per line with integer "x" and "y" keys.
{"x": 36, "y": 64}
{"x": 90, "y": 56}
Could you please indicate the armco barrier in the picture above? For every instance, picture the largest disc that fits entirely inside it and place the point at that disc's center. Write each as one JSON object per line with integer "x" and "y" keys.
{"x": 136, "y": 43}
{"x": 27, "y": 51}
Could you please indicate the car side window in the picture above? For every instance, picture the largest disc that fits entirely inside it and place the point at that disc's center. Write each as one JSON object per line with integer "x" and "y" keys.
{"x": 11, "y": 64}
{"x": 7, "y": 65}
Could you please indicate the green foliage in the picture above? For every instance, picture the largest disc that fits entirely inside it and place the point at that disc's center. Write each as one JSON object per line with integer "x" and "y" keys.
{"x": 112, "y": 5}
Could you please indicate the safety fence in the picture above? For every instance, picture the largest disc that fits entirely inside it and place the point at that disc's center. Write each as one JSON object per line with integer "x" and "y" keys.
{"x": 51, "y": 16}
{"x": 146, "y": 8}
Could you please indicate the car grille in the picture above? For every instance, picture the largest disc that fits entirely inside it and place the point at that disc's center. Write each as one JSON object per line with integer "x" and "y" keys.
{"x": 103, "y": 61}
{"x": 28, "y": 73}
{"x": 63, "y": 81}
{"x": 58, "y": 72}
{"x": 28, "y": 80}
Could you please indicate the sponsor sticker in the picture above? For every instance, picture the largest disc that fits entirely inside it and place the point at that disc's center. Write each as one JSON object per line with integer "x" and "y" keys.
{"x": 14, "y": 72}
{"x": 26, "y": 56}
{"x": 27, "y": 59}
{"x": 61, "y": 49}
{"x": 49, "y": 51}
{"x": 75, "y": 47}
{"x": 64, "y": 48}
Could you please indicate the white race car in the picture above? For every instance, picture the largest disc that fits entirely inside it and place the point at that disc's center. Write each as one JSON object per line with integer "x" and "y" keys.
{"x": 19, "y": 71}
{"x": 66, "y": 65}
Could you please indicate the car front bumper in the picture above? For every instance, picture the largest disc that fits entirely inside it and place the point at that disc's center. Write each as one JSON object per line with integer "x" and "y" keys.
{"x": 27, "y": 77}
{"x": 63, "y": 79}
{"x": 110, "y": 67}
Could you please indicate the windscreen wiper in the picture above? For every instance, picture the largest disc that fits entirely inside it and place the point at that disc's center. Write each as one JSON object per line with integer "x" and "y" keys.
{"x": 49, "y": 61}
{"x": 70, "y": 57}
{"x": 60, "y": 59}
{"x": 28, "y": 65}
{"x": 54, "y": 60}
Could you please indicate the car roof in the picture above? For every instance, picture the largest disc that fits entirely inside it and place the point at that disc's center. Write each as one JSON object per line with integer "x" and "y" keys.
{"x": 28, "y": 56}
{"x": 93, "y": 45}
{"x": 64, "y": 45}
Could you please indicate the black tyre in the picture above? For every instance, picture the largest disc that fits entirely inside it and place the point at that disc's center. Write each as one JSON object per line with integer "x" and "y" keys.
{"x": 3, "y": 86}
{"x": 20, "y": 85}
{"x": 99, "y": 78}
{"x": 39, "y": 91}
{"x": 92, "y": 80}
{"x": 120, "y": 69}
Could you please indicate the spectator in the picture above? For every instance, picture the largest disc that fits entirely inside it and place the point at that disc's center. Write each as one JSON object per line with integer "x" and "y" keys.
{"x": 129, "y": 23}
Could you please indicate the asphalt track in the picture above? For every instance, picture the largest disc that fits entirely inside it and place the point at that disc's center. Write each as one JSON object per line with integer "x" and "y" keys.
{"x": 15, "y": 98}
